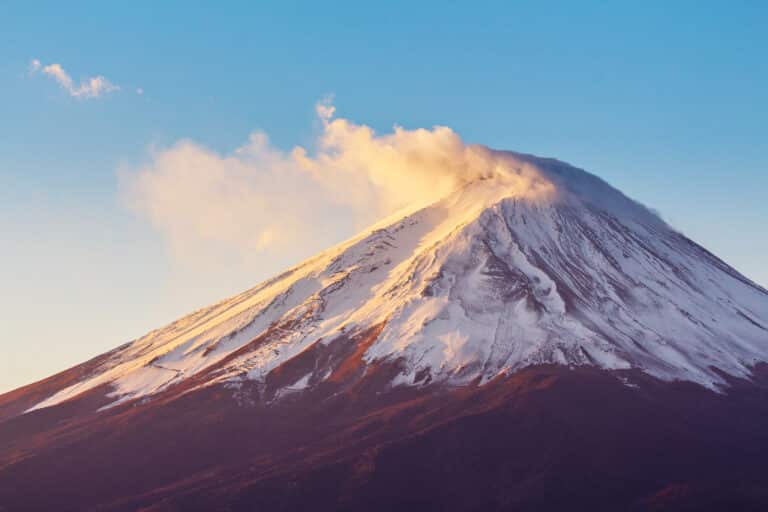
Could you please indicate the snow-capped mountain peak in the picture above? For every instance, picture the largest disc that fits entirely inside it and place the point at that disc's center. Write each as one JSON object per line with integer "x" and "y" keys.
{"x": 533, "y": 262}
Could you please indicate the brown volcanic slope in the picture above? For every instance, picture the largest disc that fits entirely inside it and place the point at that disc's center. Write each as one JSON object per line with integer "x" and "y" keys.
{"x": 545, "y": 438}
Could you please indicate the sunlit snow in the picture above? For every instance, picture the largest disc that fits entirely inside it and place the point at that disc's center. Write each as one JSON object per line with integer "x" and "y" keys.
{"x": 541, "y": 263}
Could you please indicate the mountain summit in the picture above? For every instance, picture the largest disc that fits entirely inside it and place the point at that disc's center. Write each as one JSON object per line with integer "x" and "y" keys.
{"x": 536, "y": 262}
{"x": 531, "y": 276}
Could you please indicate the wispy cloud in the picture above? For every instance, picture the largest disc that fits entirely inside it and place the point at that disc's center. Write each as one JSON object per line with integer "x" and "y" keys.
{"x": 264, "y": 205}
{"x": 91, "y": 87}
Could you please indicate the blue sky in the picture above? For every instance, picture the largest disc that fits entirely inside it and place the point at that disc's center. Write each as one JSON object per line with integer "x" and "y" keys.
{"x": 667, "y": 101}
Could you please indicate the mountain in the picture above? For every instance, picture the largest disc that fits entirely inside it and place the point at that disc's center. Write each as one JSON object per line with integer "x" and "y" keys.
{"x": 533, "y": 340}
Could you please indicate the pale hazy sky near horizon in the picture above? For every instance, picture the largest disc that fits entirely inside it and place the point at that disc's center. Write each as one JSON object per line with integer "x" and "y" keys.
{"x": 120, "y": 124}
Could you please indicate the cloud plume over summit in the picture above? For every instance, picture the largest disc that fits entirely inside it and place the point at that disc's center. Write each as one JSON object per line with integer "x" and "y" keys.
{"x": 289, "y": 204}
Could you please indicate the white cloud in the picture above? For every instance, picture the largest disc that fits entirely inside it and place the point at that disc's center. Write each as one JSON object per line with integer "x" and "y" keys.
{"x": 92, "y": 87}
{"x": 261, "y": 204}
